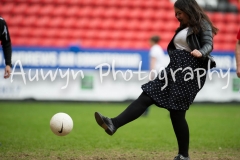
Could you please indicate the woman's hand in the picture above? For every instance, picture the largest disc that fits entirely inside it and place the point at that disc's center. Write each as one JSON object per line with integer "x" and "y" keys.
{"x": 7, "y": 71}
{"x": 196, "y": 53}
{"x": 238, "y": 72}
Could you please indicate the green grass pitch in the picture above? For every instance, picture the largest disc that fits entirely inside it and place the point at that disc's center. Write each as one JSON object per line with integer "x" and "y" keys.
{"x": 25, "y": 133}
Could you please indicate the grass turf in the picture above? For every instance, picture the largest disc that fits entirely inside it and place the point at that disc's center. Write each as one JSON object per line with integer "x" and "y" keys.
{"x": 25, "y": 133}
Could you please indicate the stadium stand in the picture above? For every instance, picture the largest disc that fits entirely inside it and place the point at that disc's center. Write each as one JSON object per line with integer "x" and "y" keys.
{"x": 108, "y": 24}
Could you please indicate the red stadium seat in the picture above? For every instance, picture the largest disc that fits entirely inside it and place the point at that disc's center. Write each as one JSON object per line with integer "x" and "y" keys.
{"x": 167, "y": 5}
{"x": 34, "y": 9}
{"x": 169, "y": 16}
{"x": 232, "y": 28}
{"x": 108, "y": 34}
{"x": 20, "y": 9}
{"x": 143, "y": 36}
{"x": 43, "y": 21}
{"x": 127, "y": 13}
{"x": 231, "y": 18}
{"x": 69, "y": 22}
{"x": 148, "y": 14}
{"x": 37, "y": 32}
{"x": 217, "y": 46}
{"x": 171, "y": 26}
{"x": 221, "y": 26}
{"x": 128, "y": 35}
{"x": 8, "y": 18}
{"x": 59, "y": 10}
{"x": 82, "y": 23}
{"x": 55, "y": 22}
{"x": 28, "y": 21}
{"x": 16, "y": 20}
{"x": 109, "y": 12}
{"x": 144, "y": 25}
{"x": 219, "y": 38}
{"x": 159, "y": 15}
{"x": 7, "y": 8}
{"x": 97, "y": 23}
{"x": 113, "y": 35}
{"x": 45, "y": 10}
{"x": 218, "y": 17}
{"x": 134, "y": 24}
{"x": 14, "y": 31}
{"x": 95, "y": 12}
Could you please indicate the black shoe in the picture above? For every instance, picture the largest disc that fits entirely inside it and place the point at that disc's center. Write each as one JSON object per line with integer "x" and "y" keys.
{"x": 105, "y": 123}
{"x": 180, "y": 157}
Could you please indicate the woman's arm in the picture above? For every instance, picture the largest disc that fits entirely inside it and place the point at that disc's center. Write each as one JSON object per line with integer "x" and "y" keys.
{"x": 206, "y": 40}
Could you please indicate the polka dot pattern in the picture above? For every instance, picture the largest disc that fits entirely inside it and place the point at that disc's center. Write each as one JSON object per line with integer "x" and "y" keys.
{"x": 179, "y": 93}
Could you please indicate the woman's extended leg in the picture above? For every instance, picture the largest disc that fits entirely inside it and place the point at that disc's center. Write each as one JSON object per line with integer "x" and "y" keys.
{"x": 181, "y": 130}
{"x": 133, "y": 111}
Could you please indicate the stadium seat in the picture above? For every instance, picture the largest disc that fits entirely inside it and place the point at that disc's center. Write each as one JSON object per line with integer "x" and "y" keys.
{"x": 59, "y": 10}
{"x": 35, "y": 9}
{"x": 82, "y": 23}
{"x": 69, "y": 22}
{"x": 217, "y": 46}
{"x": 38, "y": 32}
{"x": 96, "y": 12}
{"x": 29, "y": 20}
{"x": 217, "y": 17}
{"x": 16, "y": 20}
{"x": 142, "y": 36}
{"x": 171, "y": 25}
{"x": 221, "y": 26}
{"x": 127, "y": 35}
{"x": 45, "y": 10}
{"x": 104, "y": 35}
{"x": 127, "y": 13}
{"x": 8, "y": 18}
{"x": 43, "y": 21}
{"x": 86, "y": 12}
{"x": 121, "y": 24}
{"x": 231, "y": 18}
{"x": 55, "y": 22}
{"x": 62, "y": 42}
{"x": 169, "y": 16}
{"x": 148, "y": 14}
{"x": 232, "y": 28}
{"x": 221, "y": 38}
{"x": 145, "y": 25}
{"x": 7, "y": 8}
{"x": 111, "y": 35}
{"x": 20, "y": 9}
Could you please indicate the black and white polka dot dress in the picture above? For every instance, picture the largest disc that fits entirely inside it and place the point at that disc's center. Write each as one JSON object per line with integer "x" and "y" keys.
{"x": 178, "y": 93}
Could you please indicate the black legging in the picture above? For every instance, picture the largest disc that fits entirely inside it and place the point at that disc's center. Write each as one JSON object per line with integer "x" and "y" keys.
{"x": 138, "y": 107}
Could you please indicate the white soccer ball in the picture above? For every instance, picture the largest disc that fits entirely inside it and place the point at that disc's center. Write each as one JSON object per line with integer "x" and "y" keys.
{"x": 61, "y": 124}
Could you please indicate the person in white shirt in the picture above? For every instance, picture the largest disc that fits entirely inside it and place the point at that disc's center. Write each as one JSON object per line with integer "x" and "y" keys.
{"x": 157, "y": 57}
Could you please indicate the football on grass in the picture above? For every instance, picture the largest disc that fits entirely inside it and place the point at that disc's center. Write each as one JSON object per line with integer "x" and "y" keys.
{"x": 61, "y": 124}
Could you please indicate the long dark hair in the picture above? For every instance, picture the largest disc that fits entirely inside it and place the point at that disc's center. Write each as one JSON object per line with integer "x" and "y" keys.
{"x": 196, "y": 15}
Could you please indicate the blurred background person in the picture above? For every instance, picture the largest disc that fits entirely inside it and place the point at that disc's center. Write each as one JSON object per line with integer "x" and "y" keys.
{"x": 157, "y": 57}
{"x": 6, "y": 46}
